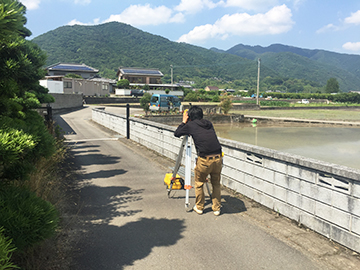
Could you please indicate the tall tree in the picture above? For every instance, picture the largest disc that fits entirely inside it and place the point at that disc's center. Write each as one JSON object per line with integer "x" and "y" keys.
{"x": 332, "y": 86}
{"x": 21, "y": 69}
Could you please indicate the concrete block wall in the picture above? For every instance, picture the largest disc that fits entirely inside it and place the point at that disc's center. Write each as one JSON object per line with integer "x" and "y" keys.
{"x": 322, "y": 196}
{"x": 66, "y": 101}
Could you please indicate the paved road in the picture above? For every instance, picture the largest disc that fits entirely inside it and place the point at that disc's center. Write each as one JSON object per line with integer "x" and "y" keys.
{"x": 126, "y": 220}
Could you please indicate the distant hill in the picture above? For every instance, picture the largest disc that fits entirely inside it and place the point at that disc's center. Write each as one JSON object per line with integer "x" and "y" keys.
{"x": 108, "y": 46}
{"x": 318, "y": 65}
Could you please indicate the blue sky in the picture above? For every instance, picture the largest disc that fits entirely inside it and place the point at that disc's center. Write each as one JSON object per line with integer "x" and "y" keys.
{"x": 332, "y": 25}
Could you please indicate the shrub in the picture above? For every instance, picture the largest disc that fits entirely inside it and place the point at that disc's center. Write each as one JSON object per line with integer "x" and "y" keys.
{"x": 15, "y": 145}
{"x": 6, "y": 250}
{"x": 123, "y": 84}
{"x": 216, "y": 98}
{"x": 274, "y": 103}
{"x": 26, "y": 218}
{"x": 191, "y": 97}
{"x": 33, "y": 141}
{"x": 226, "y": 103}
{"x": 145, "y": 102}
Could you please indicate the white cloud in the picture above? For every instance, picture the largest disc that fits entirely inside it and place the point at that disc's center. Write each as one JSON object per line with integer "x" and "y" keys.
{"x": 35, "y": 4}
{"x": 31, "y": 4}
{"x": 275, "y": 21}
{"x": 82, "y": 2}
{"x": 344, "y": 24}
{"x": 76, "y": 22}
{"x": 252, "y": 4}
{"x": 194, "y": 6}
{"x": 354, "y": 18}
{"x": 298, "y": 3}
{"x": 138, "y": 15}
{"x": 327, "y": 28}
{"x": 352, "y": 46}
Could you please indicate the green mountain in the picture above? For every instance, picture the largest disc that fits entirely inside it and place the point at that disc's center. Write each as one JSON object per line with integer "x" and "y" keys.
{"x": 313, "y": 65}
{"x": 108, "y": 46}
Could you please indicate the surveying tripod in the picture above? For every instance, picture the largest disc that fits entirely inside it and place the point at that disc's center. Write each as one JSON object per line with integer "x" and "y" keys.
{"x": 175, "y": 179}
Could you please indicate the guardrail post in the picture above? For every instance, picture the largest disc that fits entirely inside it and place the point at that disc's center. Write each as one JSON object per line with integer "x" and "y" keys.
{"x": 127, "y": 121}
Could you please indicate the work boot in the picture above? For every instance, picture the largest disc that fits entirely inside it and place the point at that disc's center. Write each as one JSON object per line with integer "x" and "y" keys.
{"x": 217, "y": 213}
{"x": 197, "y": 210}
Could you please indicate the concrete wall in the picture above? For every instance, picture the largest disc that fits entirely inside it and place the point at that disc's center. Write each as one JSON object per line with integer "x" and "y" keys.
{"x": 113, "y": 100}
{"x": 322, "y": 196}
{"x": 53, "y": 86}
{"x": 178, "y": 93}
{"x": 66, "y": 101}
{"x": 86, "y": 87}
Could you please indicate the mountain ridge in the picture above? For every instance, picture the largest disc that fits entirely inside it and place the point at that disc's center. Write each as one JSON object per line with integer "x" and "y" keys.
{"x": 108, "y": 46}
{"x": 344, "y": 67}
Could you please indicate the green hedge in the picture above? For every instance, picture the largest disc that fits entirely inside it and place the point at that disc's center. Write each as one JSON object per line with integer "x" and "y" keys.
{"x": 26, "y": 218}
{"x": 6, "y": 250}
{"x": 22, "y": 143}
{"x": 342, "y": 97}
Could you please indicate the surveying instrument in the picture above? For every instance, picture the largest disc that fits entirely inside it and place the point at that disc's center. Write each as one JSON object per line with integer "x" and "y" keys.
{"x": 174, "y": 181}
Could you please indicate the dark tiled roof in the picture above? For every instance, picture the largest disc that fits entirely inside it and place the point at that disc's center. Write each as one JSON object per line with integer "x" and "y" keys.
{"x": 213, "y": 87}
{"x": 140, "y": 71}
{"x": 72, "y": 67}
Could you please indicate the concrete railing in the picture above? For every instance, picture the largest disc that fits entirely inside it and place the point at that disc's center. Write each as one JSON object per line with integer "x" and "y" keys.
{"x": 322, "y": 196}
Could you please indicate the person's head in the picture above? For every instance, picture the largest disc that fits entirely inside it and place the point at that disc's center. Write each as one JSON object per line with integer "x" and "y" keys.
{"x": 195, "y": 112}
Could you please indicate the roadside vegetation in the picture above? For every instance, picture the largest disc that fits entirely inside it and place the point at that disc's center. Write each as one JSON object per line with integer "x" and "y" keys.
{"x": 30, "y": 151}
{"x": 273, "y": 98}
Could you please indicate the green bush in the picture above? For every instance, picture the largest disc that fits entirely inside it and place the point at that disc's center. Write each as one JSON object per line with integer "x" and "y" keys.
{"x": 247, "y": 101}
{"x": 191, "y": 97}
{"x": 341, "y": 97}
{"x": 226, "y": 103}
{"x": 274, "y": 103}
{"x": 14, "y": 146}
{"x": 145, "y": 102}
{"x": 33, "y": 141}
{"x": 216, "y": 98}
{"x": 26, "y": 218}
{"x": 6, "y": 250}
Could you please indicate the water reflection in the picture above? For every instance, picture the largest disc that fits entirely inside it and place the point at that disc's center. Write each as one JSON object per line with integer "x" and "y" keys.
{"x": 339, "y": 145}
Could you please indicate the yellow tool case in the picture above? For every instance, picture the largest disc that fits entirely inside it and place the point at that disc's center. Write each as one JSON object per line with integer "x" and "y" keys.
{"x": 178, "y": 183}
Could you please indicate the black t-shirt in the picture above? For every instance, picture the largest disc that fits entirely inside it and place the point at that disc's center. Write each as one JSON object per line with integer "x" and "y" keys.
{"x": 203, "y": 134}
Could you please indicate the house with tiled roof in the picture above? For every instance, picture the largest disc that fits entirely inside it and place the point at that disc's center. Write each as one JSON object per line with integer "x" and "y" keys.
{"x": 144, "y": 76}
{"x": 62, "y": 69}
{"x": 91, "y": 84}
{"x": 211, "y": 88}
{"x": 139, "y": 77}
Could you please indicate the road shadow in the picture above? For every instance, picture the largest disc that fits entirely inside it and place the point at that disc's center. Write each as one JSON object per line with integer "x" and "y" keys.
{"x": 92, "y": 159}
{"x": 113, "y": 247}
{"x": 232, "y": 205}
{"x": 80, "y": 145}
{"x": 103, "y": 174}
{"x": 103, "y": 245}
{"x": 106, "y": 203}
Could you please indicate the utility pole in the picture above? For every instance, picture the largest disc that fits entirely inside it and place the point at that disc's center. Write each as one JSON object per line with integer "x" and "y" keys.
{"x": 172, "y": 82}
{"x": 258, "y": 83}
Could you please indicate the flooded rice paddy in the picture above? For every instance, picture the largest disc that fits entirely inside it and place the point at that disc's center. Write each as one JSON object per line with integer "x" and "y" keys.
{"x": 339, "y": 145}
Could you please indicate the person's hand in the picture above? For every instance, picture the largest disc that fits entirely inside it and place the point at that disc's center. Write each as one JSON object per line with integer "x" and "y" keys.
{"x": 185, "y": 116}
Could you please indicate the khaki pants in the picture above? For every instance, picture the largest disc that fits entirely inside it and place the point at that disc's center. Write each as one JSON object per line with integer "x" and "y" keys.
{"x": 204, "y": 167}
